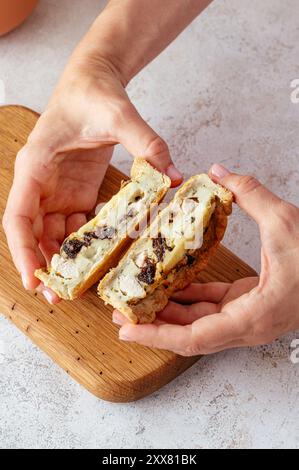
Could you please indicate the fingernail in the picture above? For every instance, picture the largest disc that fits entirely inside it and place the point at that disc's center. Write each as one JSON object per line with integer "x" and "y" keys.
{"x": 219, "y": 171}
{"x": 173, "y": 173}
{"x": 117, "y": 319}
{"x": 47, "y": 296}
{"x": 25, "y": 281}
{"x": 124, "y": 336}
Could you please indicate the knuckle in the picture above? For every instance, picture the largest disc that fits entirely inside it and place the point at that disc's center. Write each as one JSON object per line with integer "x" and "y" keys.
{"x": 288, "y": 215}
{"x": 284, "y": 220}
{"x": 262, "y": 331}
{"x": 189, "y": 351}
{"x": 246, "y": 183}
{"x": 157, "y": 147}
{"x": 121, "y": 111}
{"x": 25, "y": 153}
{"x": 198, "y": 343}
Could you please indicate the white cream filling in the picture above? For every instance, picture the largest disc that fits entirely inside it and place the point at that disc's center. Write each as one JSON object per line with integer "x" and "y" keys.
{"x": 182, "y": 224}
{"x": 135, "y": 199}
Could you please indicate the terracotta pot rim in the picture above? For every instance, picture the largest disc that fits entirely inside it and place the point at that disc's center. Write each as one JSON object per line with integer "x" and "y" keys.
{"x": 15, "y": 17}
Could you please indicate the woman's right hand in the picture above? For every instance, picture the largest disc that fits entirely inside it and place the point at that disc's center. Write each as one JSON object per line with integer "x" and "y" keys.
{"x": 60, "y": 169}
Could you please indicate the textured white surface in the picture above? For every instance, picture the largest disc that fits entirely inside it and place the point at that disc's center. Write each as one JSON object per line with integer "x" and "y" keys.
{"x": 221, "y": 92}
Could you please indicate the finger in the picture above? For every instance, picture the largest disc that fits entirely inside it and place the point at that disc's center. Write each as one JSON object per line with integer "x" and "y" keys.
{"x": 53, "y": 235}
{"x": 174, "y": 313}
{"x": 170, "y": 337}
{"x": 141, "y": 141}
{"x": 74, "y": 222}
{"x": 24, "y": 250}
{"x": 197, "y": 292}
{"x": 185, "y": 314}
{"x": 250, "y": 194}
{"x": 118, "y": 318}
{"x": 50, "y": 296}
{"x": 18, "y": 222}
{"x": 208, "y": 334}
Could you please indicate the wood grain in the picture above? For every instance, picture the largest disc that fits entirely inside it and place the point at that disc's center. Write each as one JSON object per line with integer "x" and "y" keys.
{"x": 79, "y": 335}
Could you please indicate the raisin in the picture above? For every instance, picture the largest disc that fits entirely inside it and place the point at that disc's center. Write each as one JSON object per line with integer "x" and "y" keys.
{"x": 159, "y": 247}
{"x": 105, "y": 232}
{"x": 148, "y": 272}
{"x": 72, "y": 247}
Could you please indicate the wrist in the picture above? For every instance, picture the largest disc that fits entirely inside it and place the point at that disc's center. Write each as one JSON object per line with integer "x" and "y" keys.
{"x": 99, "y": 65}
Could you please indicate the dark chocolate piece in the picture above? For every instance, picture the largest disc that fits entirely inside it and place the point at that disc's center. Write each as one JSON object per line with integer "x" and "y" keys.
{"x": 159, "y": 247}
{"x": 72, "y": 247}
{"x": 171, "y": 216}
{"x": 88, "y": 236}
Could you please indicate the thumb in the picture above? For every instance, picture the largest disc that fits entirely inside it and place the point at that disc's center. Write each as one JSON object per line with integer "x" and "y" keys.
{"x": 141, "y": 140}
{"x": 250, "y": 194}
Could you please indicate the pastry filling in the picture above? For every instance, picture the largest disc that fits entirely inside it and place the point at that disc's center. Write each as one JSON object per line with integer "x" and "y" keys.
{"x": 169, "y": 244}
{"x": 82, "y": 251}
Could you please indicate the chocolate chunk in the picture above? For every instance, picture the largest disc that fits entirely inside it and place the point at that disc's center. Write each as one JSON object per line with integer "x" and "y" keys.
{"x": 195, "y": 199}
{"x": 148, "y": 272}
{"x": 72, "y": 247}
{"x": 171, "y": 216}
{"x": 105, "y": 232}
{"x": 159, "y": 247}
{"x": 88, "y": 236}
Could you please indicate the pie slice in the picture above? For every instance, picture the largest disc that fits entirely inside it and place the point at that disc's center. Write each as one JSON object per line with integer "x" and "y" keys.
{"x": 87, "y": 255}
{"x": 171, "y": 252}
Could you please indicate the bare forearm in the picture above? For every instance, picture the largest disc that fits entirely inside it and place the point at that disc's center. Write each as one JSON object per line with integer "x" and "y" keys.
{"x": 131, "y": 33}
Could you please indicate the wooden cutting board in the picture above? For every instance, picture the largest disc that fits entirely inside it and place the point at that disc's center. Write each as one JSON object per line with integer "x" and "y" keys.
{"x": 79, "y": 335}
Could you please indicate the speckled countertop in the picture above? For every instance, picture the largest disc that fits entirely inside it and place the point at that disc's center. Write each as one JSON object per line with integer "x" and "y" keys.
{"x": 221, "y": 92}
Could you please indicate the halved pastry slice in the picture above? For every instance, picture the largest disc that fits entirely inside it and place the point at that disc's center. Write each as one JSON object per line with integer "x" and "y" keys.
{"x": 87, "y": 255}
{"x": 171, "y": 252}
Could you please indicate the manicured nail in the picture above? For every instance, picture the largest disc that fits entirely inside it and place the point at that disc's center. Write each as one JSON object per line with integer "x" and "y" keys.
{"x": 47, "y": 296}
{"x": 219, "y": 171}
{"x": 25, "y": 281}
{"x": 174, "y": 173}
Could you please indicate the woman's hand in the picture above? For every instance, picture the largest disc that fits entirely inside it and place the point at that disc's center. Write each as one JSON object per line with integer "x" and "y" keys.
{"x": 206, "y": 318}
{"x": 59, "y": 171}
